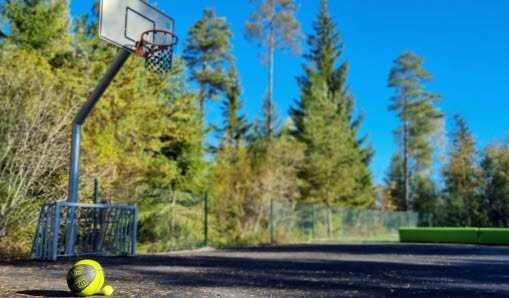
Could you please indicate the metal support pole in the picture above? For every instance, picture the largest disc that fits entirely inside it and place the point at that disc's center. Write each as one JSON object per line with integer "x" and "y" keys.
{"x": 85, "y": 110}
{"x": 74, "y": 169}
{"x": 206, "y": 219}
{"x": 75, "y": 163}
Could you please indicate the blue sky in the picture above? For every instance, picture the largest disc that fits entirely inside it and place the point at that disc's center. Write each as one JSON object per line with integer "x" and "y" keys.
{"x": 465, "y": 44}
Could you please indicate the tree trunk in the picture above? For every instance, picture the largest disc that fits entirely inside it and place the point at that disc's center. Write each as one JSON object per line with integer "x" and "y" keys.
{"x": 202, "y": 91}
{"x": 405, "y": 163}
{"x": 269, "y": 95}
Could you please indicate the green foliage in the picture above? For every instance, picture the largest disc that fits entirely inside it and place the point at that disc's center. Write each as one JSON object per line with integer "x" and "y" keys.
{"x": 181, "y": 138}
{"x": 207, "y": 52}
{"x": 395, "y": 182}
{"x": 425, "y": 194}
{"x": 230, "y": 187}
{"x": 41, "y": 25}
{"x": 230, "y": 179}
{"x": 495, "y": 185}
{"x": 236, "y": 127}
{"x": 269, "y": 124}
{"x": 35, "y": 109}
{"x": 33, "y": 140}
{"x": 273, "y": 24}
{"x": 14, "y": 248}
{"x": 170, "y": 221}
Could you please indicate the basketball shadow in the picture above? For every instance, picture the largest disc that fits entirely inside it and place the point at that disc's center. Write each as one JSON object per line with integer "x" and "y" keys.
{"x": 46, "y": 293}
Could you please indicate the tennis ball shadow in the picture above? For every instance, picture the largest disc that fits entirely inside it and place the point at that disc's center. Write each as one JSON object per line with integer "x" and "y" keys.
{"x": 46, "y": 293}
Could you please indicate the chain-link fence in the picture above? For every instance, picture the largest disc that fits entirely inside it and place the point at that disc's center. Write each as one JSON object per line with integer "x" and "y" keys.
{"x": 310, "y": 222}
{"x": 170, "y": 220}
{"x": 175, "y": 221}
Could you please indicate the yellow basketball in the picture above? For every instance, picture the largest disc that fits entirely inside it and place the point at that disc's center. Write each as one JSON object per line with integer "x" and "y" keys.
{"x": 85, "y": 278}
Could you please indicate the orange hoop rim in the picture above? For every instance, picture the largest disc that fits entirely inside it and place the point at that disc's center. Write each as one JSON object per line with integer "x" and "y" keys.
{"x": 161, "y": 46}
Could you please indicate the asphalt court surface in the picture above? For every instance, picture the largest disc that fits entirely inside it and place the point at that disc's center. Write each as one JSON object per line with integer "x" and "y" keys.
{"x": 305, "y": 270}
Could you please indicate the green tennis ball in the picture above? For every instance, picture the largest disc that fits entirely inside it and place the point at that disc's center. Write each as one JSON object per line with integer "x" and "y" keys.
{"x": 108, "y": 290}
{"x": 85, "y": 278}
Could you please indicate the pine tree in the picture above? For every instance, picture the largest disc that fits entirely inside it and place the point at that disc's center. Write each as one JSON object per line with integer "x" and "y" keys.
{"x": 324, "y": 117}
{"x": 461, "y": 176}
{"x": 206, "y": 54}
{"x": 274, "y": 27}
{"x": 418, "y": 114}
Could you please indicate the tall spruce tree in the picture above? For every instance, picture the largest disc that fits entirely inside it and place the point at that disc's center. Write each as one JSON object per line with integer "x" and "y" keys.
{"x": 324, "y": 121}
{"x": 206, "y": 53}
{"x": 273, "y": 26}
{"x": 420, "y": 118}
{"x": 461, "y": 176}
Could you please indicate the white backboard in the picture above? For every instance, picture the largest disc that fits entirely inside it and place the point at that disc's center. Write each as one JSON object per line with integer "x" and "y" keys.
{"x": 122, "y": 22}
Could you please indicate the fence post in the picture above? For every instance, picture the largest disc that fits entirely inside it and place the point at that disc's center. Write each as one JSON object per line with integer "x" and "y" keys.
{"x": 343, "y": 222}
{"x": 313, "y": 218}
{"x": 370, "y": 224}
{"x": 96, "y": 191}
{"x": 329, "y": 222}
{"x": 206, "y": 219}
{"x": 272, "y": 221}
{"x": 96, "y": 219}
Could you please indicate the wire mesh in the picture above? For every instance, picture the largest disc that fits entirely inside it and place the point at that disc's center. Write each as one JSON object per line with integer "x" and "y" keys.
{"x": 171, "y": 220}
{"x": 309, "y": 222}
{"x": 157, "y": 47}
{"x": 73, "y": 229}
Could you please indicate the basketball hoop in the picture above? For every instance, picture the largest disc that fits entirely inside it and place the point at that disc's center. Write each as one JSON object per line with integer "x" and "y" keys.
{"x": 156, "y": 46}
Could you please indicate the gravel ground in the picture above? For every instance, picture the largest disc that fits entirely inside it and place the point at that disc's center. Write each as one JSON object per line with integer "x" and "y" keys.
{"x": 311, "y": 270}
